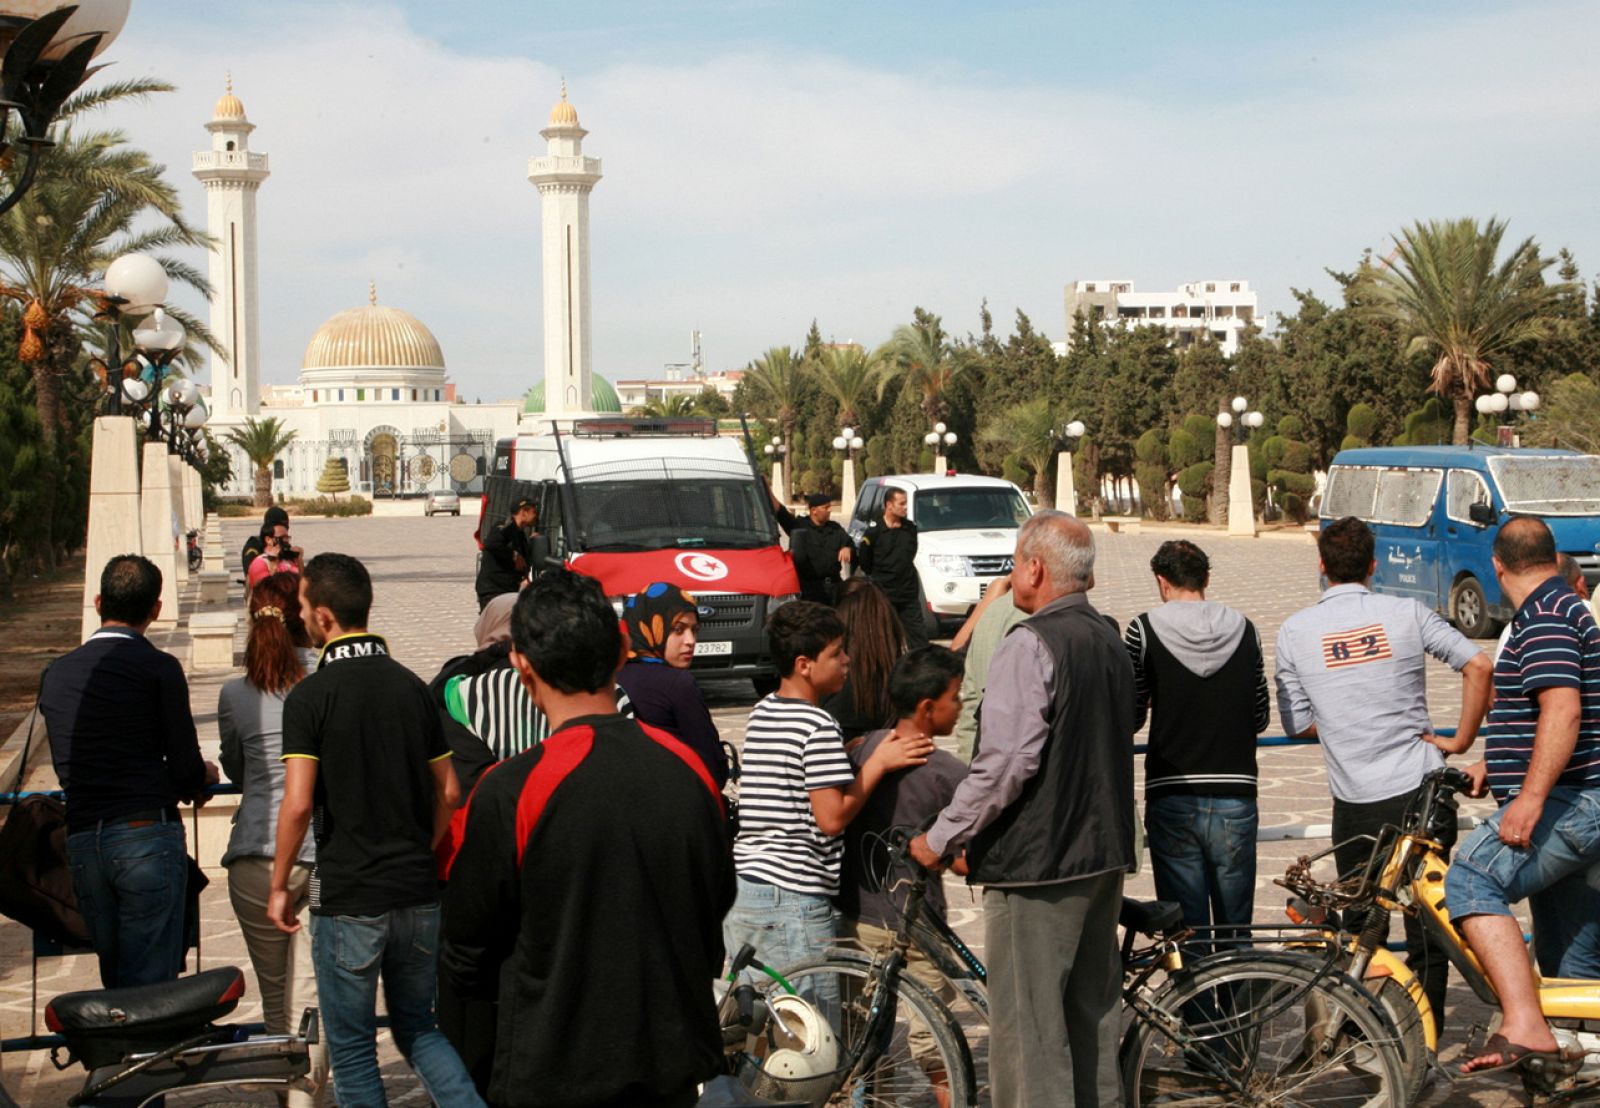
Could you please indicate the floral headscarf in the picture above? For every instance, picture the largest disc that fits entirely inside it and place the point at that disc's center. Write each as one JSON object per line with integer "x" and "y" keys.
{"x": 648, "y": 616}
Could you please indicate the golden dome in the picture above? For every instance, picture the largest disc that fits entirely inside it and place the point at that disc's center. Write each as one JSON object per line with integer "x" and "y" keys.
{"x": 563, "y": 114}
{"x": 375, "y": 336}
{"x": 229, "y": 107}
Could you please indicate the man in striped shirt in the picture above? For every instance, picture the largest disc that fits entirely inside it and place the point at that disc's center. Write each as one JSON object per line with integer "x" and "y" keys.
{"x": 1542, "y": 762}
{"x": 1352, "y": 671}
{"x": 798, "y": 792}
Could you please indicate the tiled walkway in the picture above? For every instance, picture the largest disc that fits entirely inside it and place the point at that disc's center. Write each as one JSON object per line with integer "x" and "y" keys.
{"x": 423, "y": 569}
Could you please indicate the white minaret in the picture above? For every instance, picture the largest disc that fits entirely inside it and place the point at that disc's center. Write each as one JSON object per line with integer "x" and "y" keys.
{"x": 231, "y": 174}
{"x": 565, "y": 178}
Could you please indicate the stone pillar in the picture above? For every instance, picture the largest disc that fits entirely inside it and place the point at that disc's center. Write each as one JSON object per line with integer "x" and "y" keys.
{"x": 848, "y": 493}
{"x": 938, "y": 463}
{"x": 1241, "y": 503}
{"x": 1066, "y": 494}
{"x": 779, "y": 484}
{"x": 180, "y": 514}
{"x": 155, "y": 523}
{"x": 113, "y": 506}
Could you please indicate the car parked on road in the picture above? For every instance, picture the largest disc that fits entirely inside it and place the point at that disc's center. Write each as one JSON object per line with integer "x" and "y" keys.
{"x": 442, "y": 502}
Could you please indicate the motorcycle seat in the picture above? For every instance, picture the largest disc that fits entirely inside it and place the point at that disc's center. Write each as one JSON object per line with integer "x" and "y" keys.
{"x": 194, "y": 1000}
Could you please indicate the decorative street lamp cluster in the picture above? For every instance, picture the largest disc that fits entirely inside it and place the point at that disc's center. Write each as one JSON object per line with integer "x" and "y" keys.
{"x": 1246, "y": 422}
{"x": 941, "y": 439}
{"x": 848, "y": 441}
{"x": 775, "y": 450}
{"x": 1505, "y": 401}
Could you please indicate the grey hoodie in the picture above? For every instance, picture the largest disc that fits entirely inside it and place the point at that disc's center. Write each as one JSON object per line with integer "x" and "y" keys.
{"x": 1202, "y": 634}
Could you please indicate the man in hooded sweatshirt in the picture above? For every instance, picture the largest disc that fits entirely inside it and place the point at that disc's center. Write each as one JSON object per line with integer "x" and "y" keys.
{"x": 1199, "y": 675}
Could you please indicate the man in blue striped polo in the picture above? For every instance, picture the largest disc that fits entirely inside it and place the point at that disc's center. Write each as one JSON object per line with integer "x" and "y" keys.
{"x": 1542, "y": 762}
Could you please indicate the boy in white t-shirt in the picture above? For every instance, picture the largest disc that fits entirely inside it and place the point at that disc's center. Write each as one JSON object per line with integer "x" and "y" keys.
{"x": 797, "y": 793}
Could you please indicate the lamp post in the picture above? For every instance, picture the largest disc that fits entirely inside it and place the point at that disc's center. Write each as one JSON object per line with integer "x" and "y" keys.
{"x": 848, "y": 441}
{"x": 134, "y": 287}
{"x": 46, "y": 59}
{"x": 776, "y": 450}
{"x": 1241, "y": 504}
{"x": 1066, "y": 491}
{"x": 941, "y": 439}
{"x": 1505, "y": 401}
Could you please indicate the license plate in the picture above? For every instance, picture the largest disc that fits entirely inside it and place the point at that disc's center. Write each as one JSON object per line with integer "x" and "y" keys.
{"x": 706, "y": 649}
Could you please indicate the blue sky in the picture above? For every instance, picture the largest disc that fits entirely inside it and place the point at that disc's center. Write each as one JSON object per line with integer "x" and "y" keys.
{"x": 768, "y": 163}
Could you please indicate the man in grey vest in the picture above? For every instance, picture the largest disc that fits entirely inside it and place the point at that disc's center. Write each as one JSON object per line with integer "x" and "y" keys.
{"x": 1046, "y": 819}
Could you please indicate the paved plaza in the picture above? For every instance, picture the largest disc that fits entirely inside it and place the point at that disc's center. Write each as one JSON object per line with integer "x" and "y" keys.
{"x": 423, "y": 570}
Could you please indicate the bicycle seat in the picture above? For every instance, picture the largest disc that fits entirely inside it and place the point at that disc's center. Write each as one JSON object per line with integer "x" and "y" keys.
{"x": 1149, "y": 917}
{"x": 193, "y": 1000}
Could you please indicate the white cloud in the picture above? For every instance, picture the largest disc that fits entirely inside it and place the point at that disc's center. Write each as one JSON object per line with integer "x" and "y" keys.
{"x": 746, "y": 194}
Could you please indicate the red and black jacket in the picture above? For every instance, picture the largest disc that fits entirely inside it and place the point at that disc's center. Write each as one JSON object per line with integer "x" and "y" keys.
{"x": 587, "y": 898}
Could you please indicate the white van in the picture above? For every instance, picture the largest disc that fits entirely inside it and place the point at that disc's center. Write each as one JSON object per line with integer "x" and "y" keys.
{"x": 966, "y": 534}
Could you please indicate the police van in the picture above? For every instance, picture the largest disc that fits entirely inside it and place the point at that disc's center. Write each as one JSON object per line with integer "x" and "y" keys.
{"x": 1434, "y": 511}
{"x": 634, "y": 501}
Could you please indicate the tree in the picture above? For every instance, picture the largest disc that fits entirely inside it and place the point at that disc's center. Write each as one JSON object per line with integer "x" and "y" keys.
{"x": 921, "y": 354}
{"x": 676, "y": 406}
{"x": 1571, "y": 415}
{"x": 1028, "y": 431}
{"x": 1450, "y": 297}
{"x": 262, "y": 441}
{"x": 776, "y": 384}
{"x": 849, "y": 376}
{"x": 95, "y": 198}
{"x": 335, "y": 477}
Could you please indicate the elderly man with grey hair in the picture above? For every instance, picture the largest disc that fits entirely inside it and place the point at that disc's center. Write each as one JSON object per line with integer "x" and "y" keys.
{"x": 1046, "y": 819}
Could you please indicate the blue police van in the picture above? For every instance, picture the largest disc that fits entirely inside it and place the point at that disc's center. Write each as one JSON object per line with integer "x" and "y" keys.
{"x": 1435, "y": 510}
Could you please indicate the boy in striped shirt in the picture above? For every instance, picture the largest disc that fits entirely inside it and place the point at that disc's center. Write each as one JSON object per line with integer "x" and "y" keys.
{"x": 1542, "y": 762}
{"x": 798, "y": 792}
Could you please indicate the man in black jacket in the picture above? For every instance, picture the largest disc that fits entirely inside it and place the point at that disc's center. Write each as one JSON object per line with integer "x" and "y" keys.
{"x": 507, "y": 554}
{"x": 589, "y": 891}
{"x": 820, "y": 547}
{"x": 888, "y": 554}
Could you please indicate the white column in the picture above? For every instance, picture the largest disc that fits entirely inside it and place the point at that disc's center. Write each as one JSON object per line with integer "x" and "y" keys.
{"x": 780, "y": 481}
{"x": 1066, "y": 494}
{"x": 1241, "y": 502}
{"x": 113, "y": 506}
{"x": 155, "y": 526}
{"x": 938, "y": 462}
{"x": 180, "y": 513}
{"x": 848, "y": 493}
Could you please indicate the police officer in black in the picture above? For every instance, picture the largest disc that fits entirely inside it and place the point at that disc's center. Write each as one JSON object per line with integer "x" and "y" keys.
{"x": 888, "y": 550}
{"x": 820, "y": 548}
{"x": 507, "y": 554}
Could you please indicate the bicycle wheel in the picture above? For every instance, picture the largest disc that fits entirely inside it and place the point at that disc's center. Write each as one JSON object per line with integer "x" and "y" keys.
{"x": 1264, "y": 1030}
{"x": 925, "y": 1061}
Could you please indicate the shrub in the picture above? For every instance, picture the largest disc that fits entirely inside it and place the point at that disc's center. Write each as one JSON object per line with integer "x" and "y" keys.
{"x": 1013, "y": 470}
{"x": 1362, "y": 423}
{"x": 327, "y": 506}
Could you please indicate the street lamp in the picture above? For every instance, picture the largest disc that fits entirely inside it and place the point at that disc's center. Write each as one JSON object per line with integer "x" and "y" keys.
{"x": 46, "y": 59}
{"x": 1066, "y": 493}
{"x": 848, "y": 441}
{"x": 134, "y": 287}
{"x": 941, "y": 439}
{"x": 1505, "y": 402}
{"x": 776, "y": 450}
{"x": 1241, "y": 502}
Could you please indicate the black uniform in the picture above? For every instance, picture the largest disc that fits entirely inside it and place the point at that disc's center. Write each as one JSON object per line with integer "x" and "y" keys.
{"x": 497, "y": 571}
{"x": 887, "y": 556}
{"x": 816, "y": 558}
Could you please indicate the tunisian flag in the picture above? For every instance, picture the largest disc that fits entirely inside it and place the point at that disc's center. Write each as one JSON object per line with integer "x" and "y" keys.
{"x": 768, "y": 571}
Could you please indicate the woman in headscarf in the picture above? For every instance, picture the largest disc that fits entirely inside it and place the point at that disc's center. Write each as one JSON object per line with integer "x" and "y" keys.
{"x": 662, "y": 622}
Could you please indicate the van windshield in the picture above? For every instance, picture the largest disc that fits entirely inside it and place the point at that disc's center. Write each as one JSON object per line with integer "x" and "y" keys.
{"x": 666, "y": 503}
{"x": 960, "y": 509}
{"x": 1549, "y": 486}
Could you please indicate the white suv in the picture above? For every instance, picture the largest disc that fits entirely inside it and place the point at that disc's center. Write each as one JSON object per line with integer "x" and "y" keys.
{"x": 966, "y": 534}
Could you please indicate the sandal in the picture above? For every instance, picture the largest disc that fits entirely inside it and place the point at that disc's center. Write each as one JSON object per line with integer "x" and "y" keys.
{"x": 1514, "y": 1055}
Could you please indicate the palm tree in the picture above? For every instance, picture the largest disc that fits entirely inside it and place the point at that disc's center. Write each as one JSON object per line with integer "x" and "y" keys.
{"x": 1448, "y": 296}
{"x": 922, "y": 352}
{"x": 777, "y": 382}
{"x": 676, "y": 406}
{"x": 262, "y": 441}
{"x": 1029, "y": 430}
{"x": 849, "y": 375}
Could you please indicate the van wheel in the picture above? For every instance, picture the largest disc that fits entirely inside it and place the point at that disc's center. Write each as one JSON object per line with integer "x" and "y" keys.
{"x": 1469, "y": 609}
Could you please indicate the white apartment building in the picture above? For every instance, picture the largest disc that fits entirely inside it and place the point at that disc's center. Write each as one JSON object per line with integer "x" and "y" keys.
{"x": 1198, "y": 311}
{"x": 634, "y": 392}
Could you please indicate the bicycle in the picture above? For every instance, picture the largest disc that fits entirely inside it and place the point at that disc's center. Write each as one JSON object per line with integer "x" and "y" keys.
{"x": 1240, "y": 1027}
{"x": 1406, "y": 873}
{"x": 141, "y": 1043}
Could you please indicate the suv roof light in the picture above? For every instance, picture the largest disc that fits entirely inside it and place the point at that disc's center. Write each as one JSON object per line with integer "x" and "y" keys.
{"x": 620, "y": 427}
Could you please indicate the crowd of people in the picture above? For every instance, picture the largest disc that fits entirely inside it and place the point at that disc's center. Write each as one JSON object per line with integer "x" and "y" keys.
{"x": 536, "y": 855}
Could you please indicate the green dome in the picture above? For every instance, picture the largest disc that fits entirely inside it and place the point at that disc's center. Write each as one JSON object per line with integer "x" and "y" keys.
{"x": 602, "y": 394}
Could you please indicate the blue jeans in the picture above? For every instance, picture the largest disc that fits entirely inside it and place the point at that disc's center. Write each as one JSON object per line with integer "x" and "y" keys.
{"x": 1203, "y": 855}
{"x": 784, "y": 926}
{"x": 349, "y": 954}
{"x": 131, "y": 884}
{"x": 1566, "y": 927}
{"x": 1488, "y": 876}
